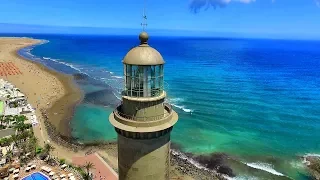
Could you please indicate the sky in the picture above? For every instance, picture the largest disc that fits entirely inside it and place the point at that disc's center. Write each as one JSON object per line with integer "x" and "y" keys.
{"x": 265, "y": 18}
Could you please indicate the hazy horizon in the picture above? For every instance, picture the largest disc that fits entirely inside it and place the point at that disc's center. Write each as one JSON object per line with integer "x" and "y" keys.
{"x": 7, "y": 28}
{"x": 285, "y": 19}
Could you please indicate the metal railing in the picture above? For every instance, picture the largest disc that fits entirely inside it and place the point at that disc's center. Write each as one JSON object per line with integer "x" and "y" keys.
{"x": 167, "y": 107}
{"x": 136, "y": 92}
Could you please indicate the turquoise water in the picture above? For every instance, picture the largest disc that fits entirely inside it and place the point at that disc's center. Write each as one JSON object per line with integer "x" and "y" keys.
{"x": 36, "y": 176}
{"x": 86, "y": 124}
{"x": 256, "y": 100}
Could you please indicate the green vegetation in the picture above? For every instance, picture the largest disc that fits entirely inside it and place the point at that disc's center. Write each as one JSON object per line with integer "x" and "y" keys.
{"x": 24, "y": 140}
{"x": 39, "y": 150}
{"x": 87, "y": 175}
{"x": 62, "y": 161}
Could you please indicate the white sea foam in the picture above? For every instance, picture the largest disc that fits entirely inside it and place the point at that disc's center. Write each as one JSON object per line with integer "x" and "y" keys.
{"x": 117, "y": 96}
{"x": 118, "y": 77}
{"x": 265, "y": 167}
{"x": 297, "y": 164}
{"x": 182, "y": 108}
{"x": 242, "y": 178}
{"x": 67, "y": 64}
{"x": 46, "y": 58}
{"x": 312, "y": 155}
{"x": 305, "y": 161}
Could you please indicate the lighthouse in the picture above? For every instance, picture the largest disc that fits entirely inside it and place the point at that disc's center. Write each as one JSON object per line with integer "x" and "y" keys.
{"x": 143, "y": 121}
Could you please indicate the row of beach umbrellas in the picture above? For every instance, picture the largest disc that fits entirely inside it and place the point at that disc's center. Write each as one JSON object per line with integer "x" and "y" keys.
{"x": 8, "y": 68}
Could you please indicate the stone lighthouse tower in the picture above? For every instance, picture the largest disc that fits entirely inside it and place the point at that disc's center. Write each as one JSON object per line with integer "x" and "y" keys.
{"x": 143, "y": 121}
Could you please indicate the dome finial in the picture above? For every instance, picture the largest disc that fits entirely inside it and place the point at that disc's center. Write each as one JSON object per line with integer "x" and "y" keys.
{"x": 143, "y": 36}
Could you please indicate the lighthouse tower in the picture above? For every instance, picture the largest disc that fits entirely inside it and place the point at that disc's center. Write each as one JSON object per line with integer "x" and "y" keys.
{"x": 143, "y": 121}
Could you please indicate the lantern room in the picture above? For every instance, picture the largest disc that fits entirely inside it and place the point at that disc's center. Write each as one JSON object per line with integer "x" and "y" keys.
{"x": 143, "y": 70}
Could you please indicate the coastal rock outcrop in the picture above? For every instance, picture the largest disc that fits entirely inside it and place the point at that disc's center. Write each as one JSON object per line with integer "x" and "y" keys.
{"x": 80, "y": 76}
{"x": 313, "y": 164}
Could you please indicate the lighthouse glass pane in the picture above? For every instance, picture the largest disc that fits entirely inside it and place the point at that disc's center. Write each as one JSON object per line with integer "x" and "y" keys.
{"x": 143, "y": 81}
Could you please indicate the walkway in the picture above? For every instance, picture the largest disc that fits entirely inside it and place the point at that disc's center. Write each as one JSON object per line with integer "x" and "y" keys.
{"x": 101, "y": 169}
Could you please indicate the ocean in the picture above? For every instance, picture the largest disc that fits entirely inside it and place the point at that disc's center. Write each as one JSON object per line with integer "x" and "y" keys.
{"x": 256, "y": 100}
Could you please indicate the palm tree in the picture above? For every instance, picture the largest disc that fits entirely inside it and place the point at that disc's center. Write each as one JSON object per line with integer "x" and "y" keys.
{"x": 15, "y": 139}
{"x": 88, "y": 166}
{"x": 19, "y": 126}
{"x": 32, "y": 144}
{"x": 1, "y": 119}
{"x": 9, "y": 155}
{"x": 48, "y": 148}
{"x": 7, "y": 120}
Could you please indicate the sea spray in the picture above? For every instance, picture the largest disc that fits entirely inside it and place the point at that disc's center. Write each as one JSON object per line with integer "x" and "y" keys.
{"x": 264, "y": 167}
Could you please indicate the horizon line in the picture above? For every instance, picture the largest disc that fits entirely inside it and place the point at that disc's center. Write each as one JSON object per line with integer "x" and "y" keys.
{"x": 71, "y": 30}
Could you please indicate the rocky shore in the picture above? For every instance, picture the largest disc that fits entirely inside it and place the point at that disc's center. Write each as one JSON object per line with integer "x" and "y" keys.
{"x": 313, "y": 164}
{"x": 184, "y": 166}
{"x": 179, "y": 163}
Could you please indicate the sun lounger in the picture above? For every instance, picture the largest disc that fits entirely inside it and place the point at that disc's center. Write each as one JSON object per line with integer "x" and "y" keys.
{"x": 51, "y": 173}
{"x": 16, "y": 176}
{"x": 63, "y": 179}
{"x": 46, "y": 169}
{"x": 70, "y": 174}
{"x": 16, "y": 171}
{"x": 43, "y": 168}
{"x": 29, "y": 164}
{"x": 33, "y": 166}
{"x": 11, "y": 170}
{"x": 28, "y": 169}
{"x": 72, "y": 178}
{"x": 62, "y": 175}
{"x": 49, "y": 170}
{"x": 64, "y": 166}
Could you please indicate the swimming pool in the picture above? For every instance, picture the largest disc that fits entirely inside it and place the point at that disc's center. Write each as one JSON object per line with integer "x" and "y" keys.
{"x": 36, "y": 176}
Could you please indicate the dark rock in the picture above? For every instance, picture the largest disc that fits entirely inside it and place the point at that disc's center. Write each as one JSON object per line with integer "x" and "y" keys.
{"x": 80, "y": 76}
{"x": 226, "y": 170}
{"x": 104, "y": 98}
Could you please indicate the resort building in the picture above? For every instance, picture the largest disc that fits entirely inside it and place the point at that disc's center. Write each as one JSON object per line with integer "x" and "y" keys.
{"x": 143, "y": 121}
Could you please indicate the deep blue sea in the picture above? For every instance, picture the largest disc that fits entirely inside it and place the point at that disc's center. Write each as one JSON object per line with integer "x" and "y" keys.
{"x": 256, "y": 100}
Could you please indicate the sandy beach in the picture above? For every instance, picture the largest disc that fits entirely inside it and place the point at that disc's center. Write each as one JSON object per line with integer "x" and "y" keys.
{"x": 45, "y": 89}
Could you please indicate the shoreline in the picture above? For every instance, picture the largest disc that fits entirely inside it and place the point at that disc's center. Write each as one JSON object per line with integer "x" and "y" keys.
{"x": 45, "y": 89}
{"x": 66, "y": 142}
{"x": 62, "y": 108}
{"x": 60, "y": 132}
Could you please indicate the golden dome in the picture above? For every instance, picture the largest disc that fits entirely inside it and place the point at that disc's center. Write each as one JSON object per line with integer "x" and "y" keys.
{"x": 143, "y": 54}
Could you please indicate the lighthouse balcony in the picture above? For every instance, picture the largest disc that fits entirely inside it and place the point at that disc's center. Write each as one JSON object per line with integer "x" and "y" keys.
{"x": 144, "y": 121}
